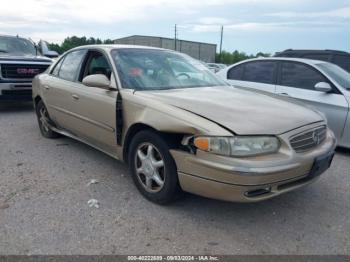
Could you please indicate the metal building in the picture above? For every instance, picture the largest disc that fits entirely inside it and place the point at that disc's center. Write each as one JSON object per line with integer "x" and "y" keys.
{"x": 201, "y": 51}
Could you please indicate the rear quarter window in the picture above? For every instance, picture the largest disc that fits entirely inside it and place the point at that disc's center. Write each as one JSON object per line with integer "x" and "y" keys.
{"x": 235, "y": 73}
{"x": 56, "y": 68}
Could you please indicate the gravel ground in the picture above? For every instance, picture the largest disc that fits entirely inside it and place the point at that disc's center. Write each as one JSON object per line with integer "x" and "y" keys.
{"x": 44, "y": 210}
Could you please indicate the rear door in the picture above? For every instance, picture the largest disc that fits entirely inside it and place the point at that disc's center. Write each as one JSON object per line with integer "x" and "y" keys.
{"x": 58, "y": 89}
{"x": 95, "y": 108}
{"x": 297, "y": 81}
{"x": 257, "y": 75}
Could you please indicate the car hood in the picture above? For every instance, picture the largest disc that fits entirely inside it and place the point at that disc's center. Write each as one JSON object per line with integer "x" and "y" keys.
{"x": 24, "y": 57}
{"x": 243, "y": 112}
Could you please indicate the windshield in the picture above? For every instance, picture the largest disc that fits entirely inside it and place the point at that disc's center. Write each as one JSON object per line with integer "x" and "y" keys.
{"x": 15, "y": 45}
{"x": 341, "y": 76}
{"x": 152, "y": 69}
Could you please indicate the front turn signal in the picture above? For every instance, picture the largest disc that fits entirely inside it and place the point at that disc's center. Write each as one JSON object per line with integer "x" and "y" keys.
{"x": 202, "y": 143}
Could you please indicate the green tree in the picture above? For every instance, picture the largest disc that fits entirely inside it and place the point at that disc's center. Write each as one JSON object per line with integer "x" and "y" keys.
{"x": 74, "y": 41}
{"x": 108, "y": 41}
{"x": 55, "y": 47}
{"x": 236, "y": 56}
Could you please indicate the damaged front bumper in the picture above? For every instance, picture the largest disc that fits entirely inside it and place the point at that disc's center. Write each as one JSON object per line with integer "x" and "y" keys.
{"x": 251, "y": 179}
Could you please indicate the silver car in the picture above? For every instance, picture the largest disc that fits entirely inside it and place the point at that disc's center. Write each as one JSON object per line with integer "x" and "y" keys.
{"x": 319, "y": 84}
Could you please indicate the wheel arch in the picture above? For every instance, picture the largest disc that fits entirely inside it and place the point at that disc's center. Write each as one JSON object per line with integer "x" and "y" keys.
{"x": 37, "y": 99}
{"x": 172, "y": 139}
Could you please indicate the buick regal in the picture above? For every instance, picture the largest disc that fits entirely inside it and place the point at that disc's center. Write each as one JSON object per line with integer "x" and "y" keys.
{"x": 179, "y": 127}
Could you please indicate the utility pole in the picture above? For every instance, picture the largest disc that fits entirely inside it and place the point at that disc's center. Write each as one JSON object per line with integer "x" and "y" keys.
{"x": 222, "y": 33}
{"x": 175, "y": 38}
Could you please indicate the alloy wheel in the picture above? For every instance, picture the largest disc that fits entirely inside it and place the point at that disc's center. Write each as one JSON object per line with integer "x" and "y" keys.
{"x": 150, "y": 168}
{"x": 44, "y": 120}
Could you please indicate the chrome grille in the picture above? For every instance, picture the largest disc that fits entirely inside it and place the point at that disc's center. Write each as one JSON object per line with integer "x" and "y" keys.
{"x": 309, "y": 139}
{"x": 21, "y": 71}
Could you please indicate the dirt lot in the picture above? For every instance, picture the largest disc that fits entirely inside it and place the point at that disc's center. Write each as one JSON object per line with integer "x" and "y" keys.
{"x": 44, "y": 210}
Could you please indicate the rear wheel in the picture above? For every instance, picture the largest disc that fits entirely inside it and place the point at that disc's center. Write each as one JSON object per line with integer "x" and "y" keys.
{"x": 44, "y": 121}
{"x": 153, "y": 169}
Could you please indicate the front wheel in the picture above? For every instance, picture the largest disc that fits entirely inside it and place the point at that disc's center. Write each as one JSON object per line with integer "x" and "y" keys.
{"x": 153, "y": 169}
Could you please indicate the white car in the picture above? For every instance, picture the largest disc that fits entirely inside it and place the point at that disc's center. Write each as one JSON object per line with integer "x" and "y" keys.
{"x": 215, "y": 67}
{"x": 322, "y": 85}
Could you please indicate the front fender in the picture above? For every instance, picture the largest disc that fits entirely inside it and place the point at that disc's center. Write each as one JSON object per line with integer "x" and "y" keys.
{"x": 166, "y": 118}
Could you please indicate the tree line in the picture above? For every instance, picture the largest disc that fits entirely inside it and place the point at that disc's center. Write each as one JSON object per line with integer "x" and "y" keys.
{"x": 236, "y": 56}
{"x": 74, "y": 41}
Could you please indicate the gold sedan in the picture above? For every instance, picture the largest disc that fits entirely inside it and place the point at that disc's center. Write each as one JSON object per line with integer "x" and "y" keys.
{"x": 179, "y": 127}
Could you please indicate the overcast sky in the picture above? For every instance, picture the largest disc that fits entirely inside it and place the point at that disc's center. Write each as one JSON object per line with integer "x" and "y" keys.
{"x": 249, "y": 25}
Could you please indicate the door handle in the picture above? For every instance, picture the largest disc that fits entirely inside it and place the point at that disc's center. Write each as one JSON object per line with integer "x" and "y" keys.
{"x": 75, "y": 97}
{"x": 283, "y": 94}
{"x": 46, "y": 87}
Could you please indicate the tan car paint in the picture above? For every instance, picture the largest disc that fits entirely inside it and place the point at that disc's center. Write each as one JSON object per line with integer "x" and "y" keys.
{"x": 92, "y": 119}
{"x": 243, "y": 111}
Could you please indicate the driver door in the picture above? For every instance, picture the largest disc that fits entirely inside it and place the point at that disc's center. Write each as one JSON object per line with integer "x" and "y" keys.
{"x": 297, "y": 81}
{"x": 95, "y": 108}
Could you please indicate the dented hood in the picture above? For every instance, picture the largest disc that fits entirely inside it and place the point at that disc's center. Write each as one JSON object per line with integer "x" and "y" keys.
{"x": 243, "y": 112}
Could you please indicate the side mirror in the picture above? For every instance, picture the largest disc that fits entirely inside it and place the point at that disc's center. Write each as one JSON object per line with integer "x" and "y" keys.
{"x": 51, "y": 54}
{"x": 98, "y": 80}
{"x": 323, "y": 87}
{"x": 44, "y": 49}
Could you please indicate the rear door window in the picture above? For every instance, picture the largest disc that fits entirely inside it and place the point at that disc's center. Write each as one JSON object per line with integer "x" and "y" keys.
{"x": 260, "y": 72}
{"x": 300, "y": 76}
{"x": 71, "y": 65}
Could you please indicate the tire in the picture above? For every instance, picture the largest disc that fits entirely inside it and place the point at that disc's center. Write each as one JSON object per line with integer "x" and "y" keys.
{"x": 44, "y": 121}
{"x": 156, "y": 182}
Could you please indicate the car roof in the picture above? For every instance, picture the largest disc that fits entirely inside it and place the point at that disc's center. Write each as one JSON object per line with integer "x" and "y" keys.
{"x": 294, "y": 59}
{"x": 311, "y": 51}
{"x": 117, "y": 46}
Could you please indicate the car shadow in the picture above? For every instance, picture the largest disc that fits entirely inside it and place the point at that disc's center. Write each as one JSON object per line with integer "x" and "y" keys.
{"x": 343, "y": 151}
{"x": 268, "y": 212}
{"x": 18, "y": 107}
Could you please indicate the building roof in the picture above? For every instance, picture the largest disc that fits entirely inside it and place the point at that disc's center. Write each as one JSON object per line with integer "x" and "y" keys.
{"x": 167, "y": 38}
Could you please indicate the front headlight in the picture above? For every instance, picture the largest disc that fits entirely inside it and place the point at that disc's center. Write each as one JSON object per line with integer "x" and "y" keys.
{"x": 238, "y": 146}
